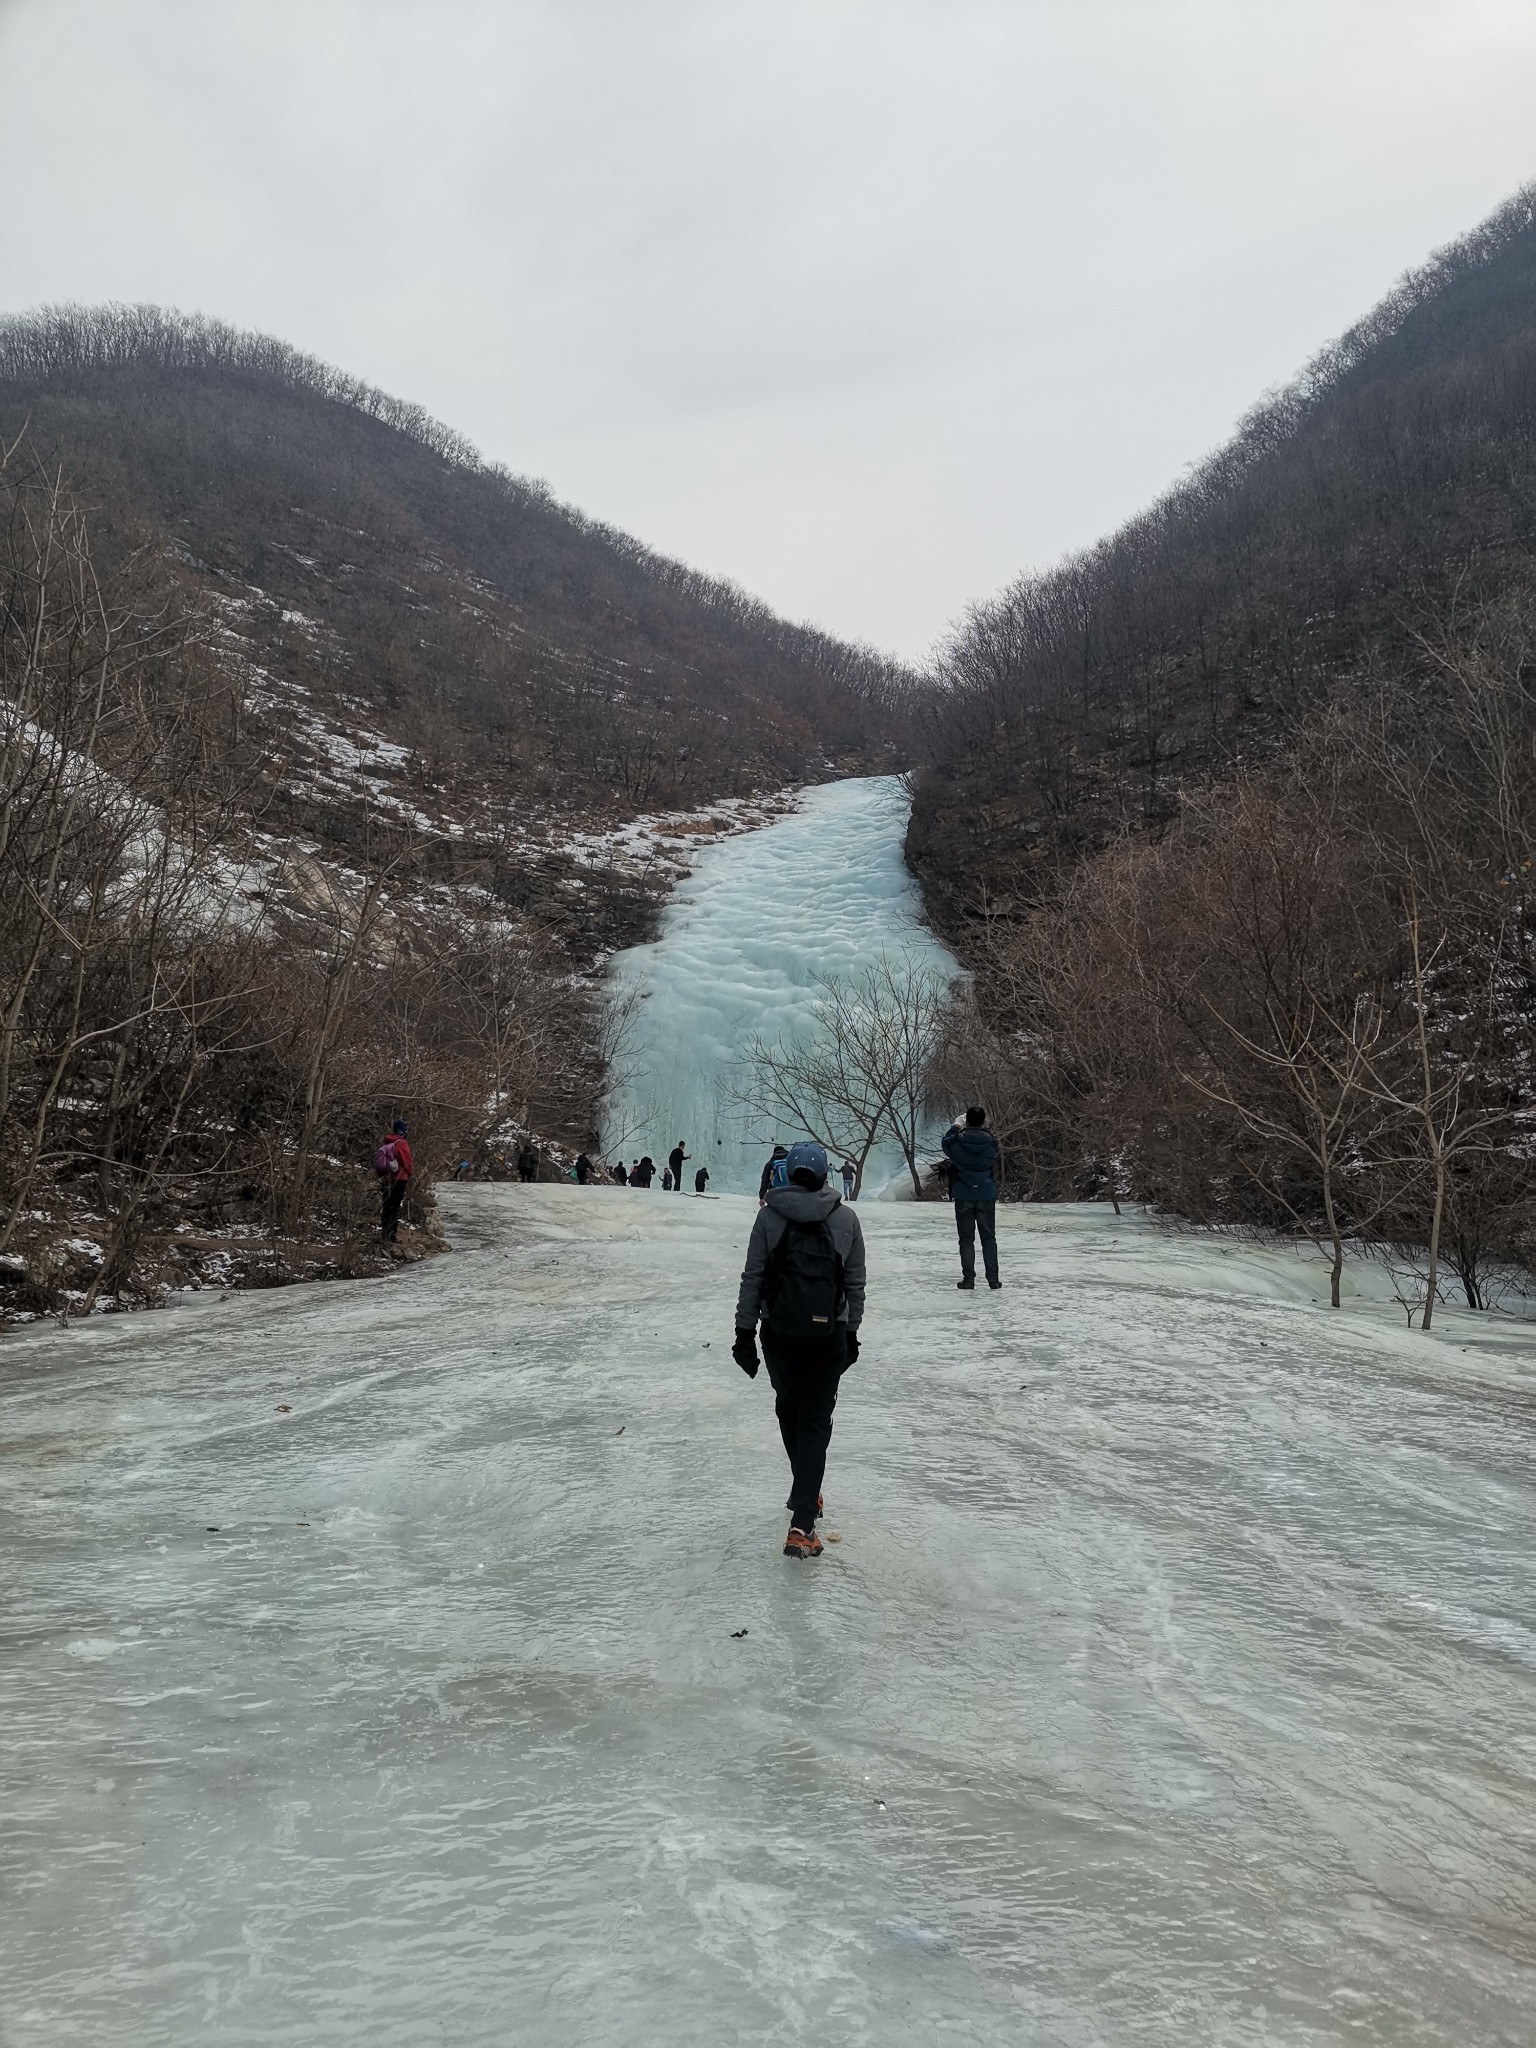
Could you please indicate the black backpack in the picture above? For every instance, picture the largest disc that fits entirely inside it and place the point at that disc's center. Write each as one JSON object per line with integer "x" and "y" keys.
{"x": 803, "y": 1283}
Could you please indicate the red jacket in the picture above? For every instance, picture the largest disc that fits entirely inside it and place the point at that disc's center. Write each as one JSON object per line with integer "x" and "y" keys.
{"x": 407, "y": 1166}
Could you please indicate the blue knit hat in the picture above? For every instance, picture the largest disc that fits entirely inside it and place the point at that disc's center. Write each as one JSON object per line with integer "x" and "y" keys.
{"x": 807, "y": 1157}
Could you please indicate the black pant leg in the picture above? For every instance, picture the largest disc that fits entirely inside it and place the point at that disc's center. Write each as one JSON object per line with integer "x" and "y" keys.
{"x": 805, "y": 1376}
{"x": 986, "y": 1223}
{"x": 389, "y": 1213}
{"x": 810, "y": 1468}
{"x": 786, "y": 1409}
{"x": 965, "y": 1226}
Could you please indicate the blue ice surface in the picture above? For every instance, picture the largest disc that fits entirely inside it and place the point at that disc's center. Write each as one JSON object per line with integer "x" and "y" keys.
{"x": 740, "y": 951}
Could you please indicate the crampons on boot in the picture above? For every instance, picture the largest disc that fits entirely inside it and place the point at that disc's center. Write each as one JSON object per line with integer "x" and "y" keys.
{"x": 802, "y": 1543}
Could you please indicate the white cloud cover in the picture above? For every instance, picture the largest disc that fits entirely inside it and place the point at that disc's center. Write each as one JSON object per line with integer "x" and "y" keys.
{"x": 867, "y": 303}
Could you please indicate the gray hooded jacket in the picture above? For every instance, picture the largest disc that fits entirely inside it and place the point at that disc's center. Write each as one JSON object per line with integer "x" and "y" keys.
{"x": 805, "y": 1206}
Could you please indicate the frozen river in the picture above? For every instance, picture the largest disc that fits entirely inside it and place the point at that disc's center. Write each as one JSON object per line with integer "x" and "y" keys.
{"x": 739, "y": 951}
{"x": 413, "y": 1661}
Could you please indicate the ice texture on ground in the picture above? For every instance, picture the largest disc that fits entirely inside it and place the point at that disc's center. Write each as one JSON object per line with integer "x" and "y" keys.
{"x": 740, "y": 949}
{"x": 371, "y": 1669}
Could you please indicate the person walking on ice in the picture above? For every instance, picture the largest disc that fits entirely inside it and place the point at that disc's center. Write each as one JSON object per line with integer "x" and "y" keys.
{"x": 850, "y": 1175}
{"x": 675, "y": 1160}
{"x": 973, "y": 1153}
{"x": 804, "y": 1278}
{"x": 701, "y": 1180}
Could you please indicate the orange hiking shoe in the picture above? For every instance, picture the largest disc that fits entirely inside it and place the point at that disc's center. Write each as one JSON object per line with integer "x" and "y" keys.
{"x": 802, "y": 1543}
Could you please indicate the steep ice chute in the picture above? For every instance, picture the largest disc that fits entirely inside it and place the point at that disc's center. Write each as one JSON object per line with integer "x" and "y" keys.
{"x": 741, "y": 948}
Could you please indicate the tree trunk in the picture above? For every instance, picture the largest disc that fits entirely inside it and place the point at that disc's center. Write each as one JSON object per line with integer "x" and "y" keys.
{"x": 1434, "y": 1242}
{"x": 1333, "y": 1236}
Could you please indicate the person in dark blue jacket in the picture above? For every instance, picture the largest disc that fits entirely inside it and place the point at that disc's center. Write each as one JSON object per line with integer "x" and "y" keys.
{"x": 973, "y": 1153}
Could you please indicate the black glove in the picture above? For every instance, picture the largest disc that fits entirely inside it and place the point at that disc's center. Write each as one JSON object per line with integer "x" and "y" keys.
{"x": 853, "y": 1347}
{"x": 744, "y": 1351}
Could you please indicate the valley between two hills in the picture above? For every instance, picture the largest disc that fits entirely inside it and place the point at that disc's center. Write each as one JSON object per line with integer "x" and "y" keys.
{"x": 336, "y": 762}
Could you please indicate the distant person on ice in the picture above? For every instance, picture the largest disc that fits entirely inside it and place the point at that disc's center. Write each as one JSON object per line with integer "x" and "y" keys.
{"x": 583, "y": 1168}
{"x": 666, "y": 1180}
{"x": 850, "y": 1175}
{"x": 528, "y": 1163}
{"x": 643, "y": 1172}
{"x": 675, "y": 1160}
{"x": 773, "y": 1174}
{"x": 804, "y": 1277}
{"x": 973, "y": 1153}
{"x": 394, "y": 1166}
{"x": 701, "y": 1180}
{"x": 619, "y": 1173}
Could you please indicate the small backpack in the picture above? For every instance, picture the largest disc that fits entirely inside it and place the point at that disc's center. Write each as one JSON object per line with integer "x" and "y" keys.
{"x": 803, "y": 1284}
{"x": 386, "y": 1161}
{"x": 779, "y": 1177}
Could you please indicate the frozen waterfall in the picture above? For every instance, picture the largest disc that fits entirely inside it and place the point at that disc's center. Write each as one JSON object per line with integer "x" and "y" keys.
{"x": 740, "y": 950}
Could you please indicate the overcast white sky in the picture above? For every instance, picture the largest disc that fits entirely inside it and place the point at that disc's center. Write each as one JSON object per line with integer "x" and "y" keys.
{"x": 869, "y": 304}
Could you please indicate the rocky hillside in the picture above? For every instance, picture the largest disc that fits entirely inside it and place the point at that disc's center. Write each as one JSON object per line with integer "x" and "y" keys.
{"x": 332, "y": 762}
{"x": 509, "y": 656}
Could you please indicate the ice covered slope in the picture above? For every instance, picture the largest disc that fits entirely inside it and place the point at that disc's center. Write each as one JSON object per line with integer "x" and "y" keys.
{"x": 739, "y": 952}
{"x": 1174, "y": 1683}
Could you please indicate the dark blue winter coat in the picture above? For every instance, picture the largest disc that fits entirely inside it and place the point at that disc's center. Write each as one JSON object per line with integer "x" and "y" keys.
{"x": 973, "y": 1153}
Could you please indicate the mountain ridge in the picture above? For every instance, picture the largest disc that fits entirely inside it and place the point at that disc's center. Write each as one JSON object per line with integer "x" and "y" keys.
{"x": 1351, "y": 512}
{"x": 546, "y": 632}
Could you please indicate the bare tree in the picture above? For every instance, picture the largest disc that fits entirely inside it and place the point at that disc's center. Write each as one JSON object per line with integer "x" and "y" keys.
{"x": 88, "y": 860}
{"x": 1436, "y": 1090}
{"x": 349, "y": 922}
{"x": 863, "y": 1071}
{"x": 1319, "y": 1108}
{"x": 900, "y": 1008}
{"x": 814, "y": 1087}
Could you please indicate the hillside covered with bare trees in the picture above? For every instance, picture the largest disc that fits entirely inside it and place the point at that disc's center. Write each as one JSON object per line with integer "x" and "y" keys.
{"x": 365, "y": 551}
{"x": 332, "y": 763}
{"x": 1235, "y": 814}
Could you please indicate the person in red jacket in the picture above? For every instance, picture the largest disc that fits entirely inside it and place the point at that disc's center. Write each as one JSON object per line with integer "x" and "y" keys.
{"x": 394, "y": 1166}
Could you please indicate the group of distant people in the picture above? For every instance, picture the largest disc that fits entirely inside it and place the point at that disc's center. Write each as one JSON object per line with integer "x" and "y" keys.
{"x": 642, "y": 1171}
